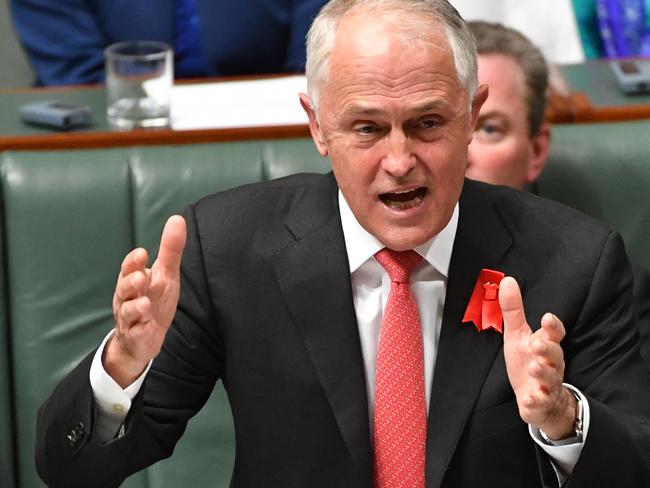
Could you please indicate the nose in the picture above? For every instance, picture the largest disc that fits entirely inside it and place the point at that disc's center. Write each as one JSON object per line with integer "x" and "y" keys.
{"x": 399, "y": 159}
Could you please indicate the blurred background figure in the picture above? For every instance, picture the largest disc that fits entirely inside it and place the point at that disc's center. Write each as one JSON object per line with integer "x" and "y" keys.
{"x": 549, "y": 25}
{"x": 65, "y": 39}
{"x": 511, "y": 141}
{"x": 570, "y": 31}
{"x": 11, "y": 54}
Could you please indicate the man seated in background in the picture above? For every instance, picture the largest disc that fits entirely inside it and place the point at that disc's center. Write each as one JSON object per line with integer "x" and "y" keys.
{"x": 65, "y": 39}
{"x": 511, "y": 141}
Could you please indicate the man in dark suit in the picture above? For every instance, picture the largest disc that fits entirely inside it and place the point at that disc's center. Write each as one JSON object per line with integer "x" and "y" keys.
{"x": 65, "y": 39}
{"x": 281, "y": 294}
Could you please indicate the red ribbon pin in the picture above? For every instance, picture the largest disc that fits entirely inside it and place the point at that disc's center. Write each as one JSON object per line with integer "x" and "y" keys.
{"x": 483, "y": 308}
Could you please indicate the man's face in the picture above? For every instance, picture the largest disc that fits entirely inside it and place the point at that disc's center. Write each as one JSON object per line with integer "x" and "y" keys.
{"x": 502, "y": 151}
{"x": 395, "y": 120}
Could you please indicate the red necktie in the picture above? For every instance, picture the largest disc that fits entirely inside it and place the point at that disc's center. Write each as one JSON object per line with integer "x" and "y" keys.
{"x": 400, "y": 406}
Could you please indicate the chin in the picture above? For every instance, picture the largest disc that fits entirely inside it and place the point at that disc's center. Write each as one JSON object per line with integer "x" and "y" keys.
{"x": 405, "y": 239}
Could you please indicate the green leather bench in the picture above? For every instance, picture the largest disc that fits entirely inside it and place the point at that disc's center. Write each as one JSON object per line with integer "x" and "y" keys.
{"x": 69, "y": 217}
{"x": 6, "y": 396}
{"x": 604, "y": 171}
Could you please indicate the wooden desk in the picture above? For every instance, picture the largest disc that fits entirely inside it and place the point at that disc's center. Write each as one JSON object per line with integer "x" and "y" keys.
{"x": 14, "y": 134}
{"x": 595, "y": 96}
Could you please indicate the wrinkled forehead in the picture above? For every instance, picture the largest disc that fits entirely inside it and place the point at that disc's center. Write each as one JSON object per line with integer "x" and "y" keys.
{"x": 404, "y": 41}
{"x": 381, "y": 51}
{"x": 373, "y": 31}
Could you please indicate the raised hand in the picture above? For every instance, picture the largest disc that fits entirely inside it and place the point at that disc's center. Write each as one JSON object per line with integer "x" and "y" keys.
{"x": 535, "y": 365}
{"x": 144, "y": 304}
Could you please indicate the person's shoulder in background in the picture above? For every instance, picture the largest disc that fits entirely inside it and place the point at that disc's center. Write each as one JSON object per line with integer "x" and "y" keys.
{"x": 65, "y": 39}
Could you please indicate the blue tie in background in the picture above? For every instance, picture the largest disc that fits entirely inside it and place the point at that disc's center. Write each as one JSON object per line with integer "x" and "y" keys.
{"x": 188, "y": 52}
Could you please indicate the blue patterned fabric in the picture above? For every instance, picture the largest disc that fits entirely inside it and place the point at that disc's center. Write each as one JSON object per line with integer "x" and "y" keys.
{"x": 623, "y": 28}
{"x": 188, "y": 51}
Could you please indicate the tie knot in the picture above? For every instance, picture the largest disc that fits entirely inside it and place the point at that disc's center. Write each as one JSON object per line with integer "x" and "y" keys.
{"x": 398, "y": 264}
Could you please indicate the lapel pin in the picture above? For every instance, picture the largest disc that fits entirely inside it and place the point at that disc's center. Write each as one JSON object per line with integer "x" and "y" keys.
{"x": 483, "y": 308}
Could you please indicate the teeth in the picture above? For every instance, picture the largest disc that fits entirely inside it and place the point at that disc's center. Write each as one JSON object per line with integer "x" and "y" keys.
{"x": 403, "y": 205}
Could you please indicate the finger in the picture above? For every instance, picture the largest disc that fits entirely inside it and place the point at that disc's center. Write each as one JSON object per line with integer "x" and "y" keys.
{"x": 133, "y": 312}
{"x": 535, "y": 406}
{"x": 547, "y": 352}
{"x": 172, "y": 243}
{"x": 512, "y": 306}
{"x": 131, "y": 286}
{"x": 534, "y": 400}
{"x": 134, "y": 261}
{"x": 548, "y": 378}
{"x": 553, "y": 328}
{"x": 528, "y": 406}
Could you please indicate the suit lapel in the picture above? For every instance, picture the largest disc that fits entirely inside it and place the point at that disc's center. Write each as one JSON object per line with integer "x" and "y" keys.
{"x": 464, "y": 355}
{"x": 314, "y": 277}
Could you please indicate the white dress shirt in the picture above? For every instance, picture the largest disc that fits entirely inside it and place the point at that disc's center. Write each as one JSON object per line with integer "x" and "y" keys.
{"x": 371, "y": 285}
{"x": 370, "y": 288}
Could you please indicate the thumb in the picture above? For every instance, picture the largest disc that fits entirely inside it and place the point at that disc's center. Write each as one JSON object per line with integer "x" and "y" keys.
{"x": 512, "y": 306}
{"x": 172, "y": 244}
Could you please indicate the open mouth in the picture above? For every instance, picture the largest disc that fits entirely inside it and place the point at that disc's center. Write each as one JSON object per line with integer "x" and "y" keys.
{"x": 403, "y": 200}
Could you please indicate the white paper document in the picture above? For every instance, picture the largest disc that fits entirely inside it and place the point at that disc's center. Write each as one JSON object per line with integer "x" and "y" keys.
{"x": 229, "y": 104}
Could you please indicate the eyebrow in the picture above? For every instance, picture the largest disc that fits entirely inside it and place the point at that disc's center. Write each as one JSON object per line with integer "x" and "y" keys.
{"x": 360, "y": 110}
{"x": 492, "y": 114}
{"x": 429, "y": 106}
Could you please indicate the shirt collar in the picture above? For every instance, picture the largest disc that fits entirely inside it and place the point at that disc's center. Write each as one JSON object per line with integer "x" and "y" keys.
{"x": 361, "y": 245}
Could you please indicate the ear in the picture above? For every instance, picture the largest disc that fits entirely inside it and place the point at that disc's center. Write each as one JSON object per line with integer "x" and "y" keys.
{"x": 314, "y": 126}
{"x": 539, "y": 147}
{"x": 478, "y": 101}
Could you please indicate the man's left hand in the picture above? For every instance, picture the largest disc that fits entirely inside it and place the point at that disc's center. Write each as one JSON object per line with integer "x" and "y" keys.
{"x": 535, "y": 365}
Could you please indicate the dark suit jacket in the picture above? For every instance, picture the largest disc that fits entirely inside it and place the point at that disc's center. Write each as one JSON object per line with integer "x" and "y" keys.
{"x": 65, "y": 39}
{"x": 642, "y": 305}
{"x": 266, "y": 305}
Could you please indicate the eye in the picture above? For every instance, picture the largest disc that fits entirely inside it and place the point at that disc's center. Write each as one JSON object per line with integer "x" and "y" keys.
{"x": 366, "y": 129}
{"x": 489, "y": 128}
{"x": 427, "y": 127}
{"x": 490, "y": 131}
{"x": 429, "y": 123}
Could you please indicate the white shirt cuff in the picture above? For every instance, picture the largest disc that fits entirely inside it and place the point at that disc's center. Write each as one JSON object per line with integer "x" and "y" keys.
{"x": 113, "y": 402}
{"x": 564, "y": 456}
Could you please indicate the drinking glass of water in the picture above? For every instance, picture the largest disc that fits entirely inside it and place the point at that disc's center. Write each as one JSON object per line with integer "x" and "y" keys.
{"x": 139, "y": 80}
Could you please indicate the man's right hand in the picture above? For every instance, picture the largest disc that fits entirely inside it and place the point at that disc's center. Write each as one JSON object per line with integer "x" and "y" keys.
{"x": 144, "y": 305}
